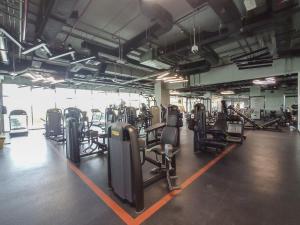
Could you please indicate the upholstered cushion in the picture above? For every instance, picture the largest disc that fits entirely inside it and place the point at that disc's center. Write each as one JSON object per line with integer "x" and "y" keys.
{"x": 169, "y": 136}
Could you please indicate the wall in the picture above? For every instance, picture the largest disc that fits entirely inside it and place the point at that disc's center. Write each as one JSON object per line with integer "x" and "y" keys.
{"x": 230, "y": 73}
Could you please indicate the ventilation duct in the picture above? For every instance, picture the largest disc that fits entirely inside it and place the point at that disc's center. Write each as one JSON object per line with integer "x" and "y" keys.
{"x": 225, "y": 9}
{"x": 163, "y": 23}
{"x": 194, "y": 67}
{"x": 55, "y": 14}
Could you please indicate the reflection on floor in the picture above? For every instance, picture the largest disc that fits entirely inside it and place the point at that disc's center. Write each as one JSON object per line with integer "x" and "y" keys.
{"x": 257, "y": 183}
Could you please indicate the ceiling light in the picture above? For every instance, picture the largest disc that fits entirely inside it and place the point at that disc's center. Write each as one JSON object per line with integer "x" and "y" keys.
{"x": 174, "y": 93}
{"x": 169, "y": 78}
{"x": 178, "y": 81}
{"x": 175, "y": 79}
{"x": 267, "y": 81}
{"x": 165, "y": 78}
{"x": 227, "y": 92}
{"x": 163, "y": 75}
{"x": 58, "y": 81}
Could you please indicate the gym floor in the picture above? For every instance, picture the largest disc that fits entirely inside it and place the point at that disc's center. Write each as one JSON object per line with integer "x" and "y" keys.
{"x": 256, "y": 183}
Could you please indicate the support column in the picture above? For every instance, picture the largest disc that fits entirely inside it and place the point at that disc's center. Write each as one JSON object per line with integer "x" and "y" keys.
{"x": 1, "y": 106}
{"x": 298, "y": 101}
{"x": 162, "y": 94}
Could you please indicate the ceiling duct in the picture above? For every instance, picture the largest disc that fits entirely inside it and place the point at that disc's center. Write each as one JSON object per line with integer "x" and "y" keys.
{"x": 53, "y": 15}
{"x": 150, "y": 59}
{"x": 225, "y": 9}
{"x": 194, "y": 67}
{"x": 163, "y": 23}
{"x": 209, "y": 55}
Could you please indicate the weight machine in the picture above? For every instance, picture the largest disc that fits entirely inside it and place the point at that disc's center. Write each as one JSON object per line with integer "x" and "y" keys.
{"x": 272, "y": 125}
{"x": 78, "y": 134}
{"x": 54, "y": 125}
{"x": 127, "y": 156}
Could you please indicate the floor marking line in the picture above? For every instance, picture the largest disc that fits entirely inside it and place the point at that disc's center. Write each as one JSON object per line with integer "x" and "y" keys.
{"x": 104, "y": 197}
{"x": 119, "y": 211}
{"x": 115, "y": 207}
{"x": 164, "y": 200}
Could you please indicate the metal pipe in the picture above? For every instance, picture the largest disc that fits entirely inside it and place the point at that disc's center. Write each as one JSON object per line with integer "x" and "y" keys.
{"x": 83, "y": 60}
{"x": 33, "y": 48}
{"x": 142, "y": 78}
{"x": 20, "y": 23}
{"x": 11, "y": 38}
{"x": 3, "y": 50}
{"x": 62, "y": 55}
{"x": 25, "y": 19}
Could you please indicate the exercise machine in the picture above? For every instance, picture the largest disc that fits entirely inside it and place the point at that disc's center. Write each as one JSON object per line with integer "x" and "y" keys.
{"x": 110, "y": 117}
{"x": 18, "y": 123}
{"x": 125, "y": 161}
{"x": 272, "y": 125}
{"x": 153, "y": 132}
{"x": 54, "y": 125}
{"x": 201, "y": 140}
{"x": 78, "y": 135}
{"x": 97, "y": 119}
{"x": 144, "y": 118}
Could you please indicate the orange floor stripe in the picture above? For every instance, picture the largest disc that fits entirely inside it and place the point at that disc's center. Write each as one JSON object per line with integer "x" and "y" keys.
{"x": 155, "y": 207}
{"x": 128, "y": 219}
{"x": 119, "y": 211}
{"x": 104, "y": 197}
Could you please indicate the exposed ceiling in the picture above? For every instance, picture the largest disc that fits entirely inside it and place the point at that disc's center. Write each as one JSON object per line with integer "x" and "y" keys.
{"x": 130, "y": 39}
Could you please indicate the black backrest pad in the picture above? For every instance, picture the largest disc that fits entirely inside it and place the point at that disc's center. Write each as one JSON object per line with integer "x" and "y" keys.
{"x": 120, "y": 161}
{"x": 169, "y": 136}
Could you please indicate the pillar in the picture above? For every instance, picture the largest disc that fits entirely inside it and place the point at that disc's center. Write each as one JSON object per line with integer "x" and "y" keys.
{"x": 162, "y": 94}
{"x": 298, "y": 101}
{"x": 1, "y": 106}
